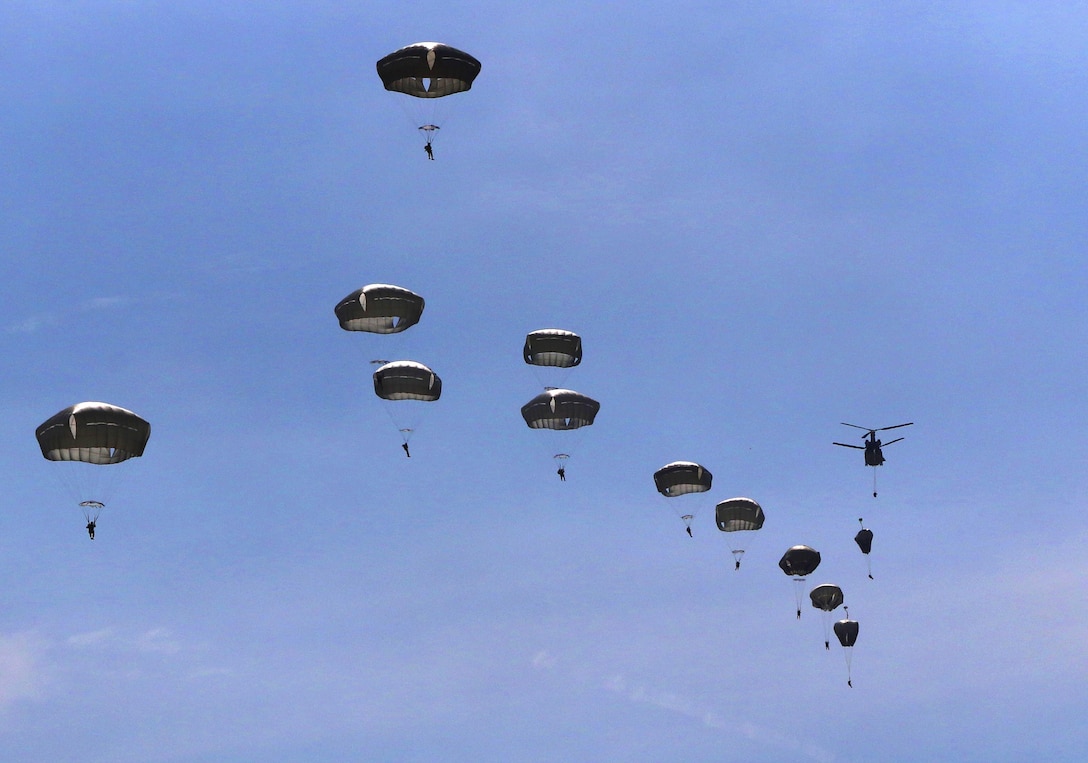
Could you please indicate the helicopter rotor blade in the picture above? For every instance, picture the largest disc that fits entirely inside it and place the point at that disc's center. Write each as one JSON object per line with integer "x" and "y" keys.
{"x": 855, "y": 426}
{"x": 858, "y": 447}
{"x": 882, "y": 429}
{"x": 889, "y": 442}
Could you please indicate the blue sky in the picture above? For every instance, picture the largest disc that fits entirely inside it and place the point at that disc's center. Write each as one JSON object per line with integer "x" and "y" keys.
{"x": 763, "y": 221}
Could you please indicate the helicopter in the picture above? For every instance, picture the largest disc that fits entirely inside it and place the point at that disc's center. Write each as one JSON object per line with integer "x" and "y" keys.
{"x": 874, "y": 456}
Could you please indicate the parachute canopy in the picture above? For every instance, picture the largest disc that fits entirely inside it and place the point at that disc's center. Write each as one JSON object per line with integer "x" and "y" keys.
{"x": 428, "y": 70}
{"x": 737, "y": 514}
{"x": 380, "y": 309}
{"x": 864, "y": 539}
{"x": 826, "y": 597}
{"x": 94, "y": 433}
{"x": 799, "y": 561}
{"x": 553, "y": 347}
{"x": 407, "y": 380}
{"x": 560, "y": 409}
{"x": 847, "y": 632}
{"x": 682, "y": 478}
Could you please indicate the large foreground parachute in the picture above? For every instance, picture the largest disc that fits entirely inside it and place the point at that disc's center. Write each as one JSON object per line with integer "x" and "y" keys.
{"x": 738, "y": 515}
{"x": 799, "y": 562}
{"x": 428, "y": 71}
{"x": 93, "y": 435}
{"x": 380, "y": 308}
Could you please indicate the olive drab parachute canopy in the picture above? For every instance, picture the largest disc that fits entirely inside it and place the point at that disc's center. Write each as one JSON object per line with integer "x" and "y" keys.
{"x": 427, "y": 71}
{"x": 826, "y": 598}
{"x": 738, "y": 515}
{"x": 864, "y": 539}
{"x": 95, "y": 434}
{"x": 683, "y": 478}
{"x": 560, "y": 410}
{"x": 406, "y": 380}
{"x": 380, "y": 308}
{"x": 847, "y": 633}
{"x": 553, "y": 347}
{"x": 799, "y": 562}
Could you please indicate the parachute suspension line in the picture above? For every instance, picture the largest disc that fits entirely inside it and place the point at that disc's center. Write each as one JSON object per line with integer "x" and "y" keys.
{"x": 799, "y": 592}
{"x": 848, "y": 651}
{"x": 874, "y": 482}
{"x": 737, "y": 554}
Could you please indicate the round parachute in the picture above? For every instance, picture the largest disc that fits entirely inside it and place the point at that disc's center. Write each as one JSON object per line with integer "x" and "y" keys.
{"x": 560, "y": 409}
{"x": 428, "y": 70}
{"x": 95, "y": 434}
{"x": 380, "y": 309}
{"x": 407, "y": 380}
{"x": 738, "y": 515}
{"x": 798, "y": 562}
{"x": 682, "y": 478}
{"x": 553, "y": 347}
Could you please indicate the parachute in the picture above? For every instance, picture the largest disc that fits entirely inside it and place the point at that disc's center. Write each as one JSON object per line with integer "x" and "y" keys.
{"x": 827, "y": 598}
{"x": 427, "y": 71}
{"x": 683, "y": 478}
{"x": 738, "y": 515}
{"x": 799, "y": 562}
{"x": 553, "y": 347}
{"x": 93, "y": 435}
{"x": 560, "y": 410}
{"x": 847, "y": 633}
{"x": 406, "y": 380}
{"x": 864, "y": 539}
{"x": 380, "y": 309}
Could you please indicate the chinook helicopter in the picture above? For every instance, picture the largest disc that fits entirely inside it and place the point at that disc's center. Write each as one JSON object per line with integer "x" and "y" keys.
{"x": 874, "y": 456}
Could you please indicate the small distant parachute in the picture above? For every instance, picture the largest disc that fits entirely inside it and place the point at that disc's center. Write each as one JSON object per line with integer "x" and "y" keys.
{"x": 799, "y": 562}
{"x": 560, "y": 410}
{"x": 553, "y": 347}
{"x": 380, "y": 308}
{"x": 847, "y": 633}
{"x": 827, "y": 598}
{"x": 428, "y": 71}
{"x": 93, "y": 434}
{"x": 738, "y": 515}
{"x": 683, "y": 478}
{"x": 864, "y": 539}
{"x": 406, "y": 380}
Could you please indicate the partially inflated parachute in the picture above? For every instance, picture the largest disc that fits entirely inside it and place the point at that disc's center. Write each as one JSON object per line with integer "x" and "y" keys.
{"x": 826, "y": 598}
{"x": 93, "y": 435}
{"x": 738, "y": 515}
{"x": 864, "y": 539}
{"x": 380, "y": 308}
{"x": 847, "y": 633}
{"x": 799, "y": 562}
